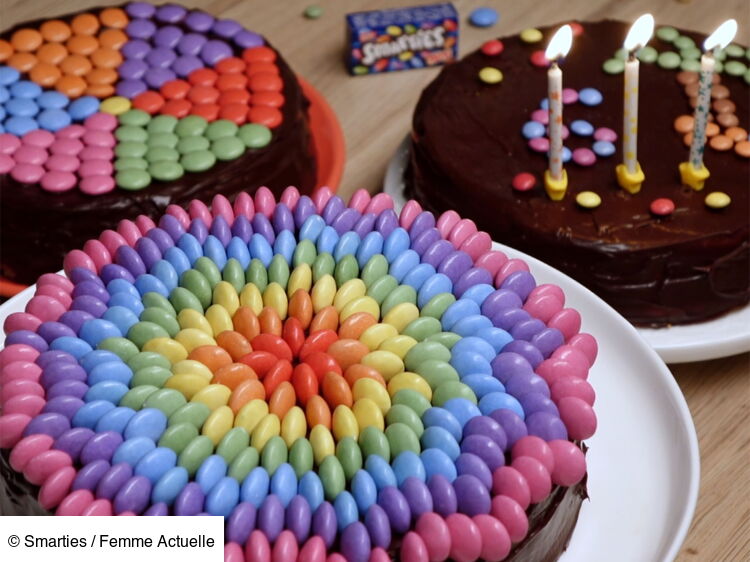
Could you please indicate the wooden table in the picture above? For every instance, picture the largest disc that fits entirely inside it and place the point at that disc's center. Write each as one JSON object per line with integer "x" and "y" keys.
{"x": 375, "y": 113}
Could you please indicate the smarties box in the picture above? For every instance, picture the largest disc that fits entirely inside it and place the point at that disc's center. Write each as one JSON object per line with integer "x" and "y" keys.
{"x": 389, "y": 40}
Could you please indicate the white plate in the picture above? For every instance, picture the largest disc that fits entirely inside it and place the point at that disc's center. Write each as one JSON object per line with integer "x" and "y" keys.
{"x": 644, "y": 464}
{"x": 643, "y": 460}
{"x": 727, "y": 335}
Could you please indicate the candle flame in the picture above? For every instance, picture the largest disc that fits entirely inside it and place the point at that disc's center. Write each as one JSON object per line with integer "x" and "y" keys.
{"x": 560, "y": 43}
{"x": 722, "y": 36}
{"x": 640, "y": 33}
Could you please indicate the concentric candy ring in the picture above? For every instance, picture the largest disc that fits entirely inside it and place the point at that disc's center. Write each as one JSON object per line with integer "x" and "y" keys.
{"x": 326, "y": 377}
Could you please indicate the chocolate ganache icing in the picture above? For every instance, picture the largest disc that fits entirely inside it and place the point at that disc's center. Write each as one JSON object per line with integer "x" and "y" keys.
{"x": 467, "y": 147}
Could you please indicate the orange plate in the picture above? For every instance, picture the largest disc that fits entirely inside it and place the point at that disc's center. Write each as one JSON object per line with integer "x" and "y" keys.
{"x": 9, "y": 288}
{"x": 327, "y": 138}
{"x": 328, "y": 147}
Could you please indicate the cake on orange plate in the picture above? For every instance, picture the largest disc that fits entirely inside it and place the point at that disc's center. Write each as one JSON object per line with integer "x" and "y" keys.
{"x": 114, "y": 112}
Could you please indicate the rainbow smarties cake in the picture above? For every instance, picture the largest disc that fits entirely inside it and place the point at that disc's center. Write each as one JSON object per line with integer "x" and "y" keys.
{"x": 666, "y": 255}
{"x": 332, "y": 380}
{"x": 115, "y": 112}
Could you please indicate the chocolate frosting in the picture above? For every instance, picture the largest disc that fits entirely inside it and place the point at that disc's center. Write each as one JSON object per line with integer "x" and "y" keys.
{"x": 551, "y": 524}
{"x": 17, "y": 496}
{"x": 39, "y": 228}
{"x": 467, "y": 147}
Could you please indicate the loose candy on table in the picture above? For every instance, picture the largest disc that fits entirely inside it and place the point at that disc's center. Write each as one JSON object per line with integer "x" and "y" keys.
{"x": 483, "y": 17}
{"x": 313, "y": 12}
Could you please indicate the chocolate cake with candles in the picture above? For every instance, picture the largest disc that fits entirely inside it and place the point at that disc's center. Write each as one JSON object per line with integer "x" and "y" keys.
{"x": 666, "y": 253}
{"x": 115, "y": 112}
{"x": 331, "y": 379}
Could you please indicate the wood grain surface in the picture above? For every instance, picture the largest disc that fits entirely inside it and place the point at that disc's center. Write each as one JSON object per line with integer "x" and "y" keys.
{"x": 375, "y": 113}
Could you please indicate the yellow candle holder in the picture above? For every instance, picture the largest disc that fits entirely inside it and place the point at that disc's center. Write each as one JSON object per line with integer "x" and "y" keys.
{"x": 556, "y": 188}
{"x": 630, "y": 181}
{"x": 694, "y": 177}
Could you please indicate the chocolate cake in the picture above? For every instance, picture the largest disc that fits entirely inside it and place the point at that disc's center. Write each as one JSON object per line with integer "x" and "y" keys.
{"x": 159, "y": 61}
{"x": 469, "y": 146}
{"x": 322, "y": 380}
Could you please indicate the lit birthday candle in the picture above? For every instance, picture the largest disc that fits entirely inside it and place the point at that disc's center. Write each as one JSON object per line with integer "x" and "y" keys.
{"x": 694, "y": 172}
{"x": 629, "y": 173}
{"x": 556, "y": 178}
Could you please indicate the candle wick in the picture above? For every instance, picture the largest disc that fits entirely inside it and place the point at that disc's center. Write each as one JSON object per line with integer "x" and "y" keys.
{"x": 631, "y": 54}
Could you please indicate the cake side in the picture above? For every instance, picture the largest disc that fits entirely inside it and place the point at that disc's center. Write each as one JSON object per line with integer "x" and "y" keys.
{"x": 551, "y": 523}
{"x": 467, "y": 148}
